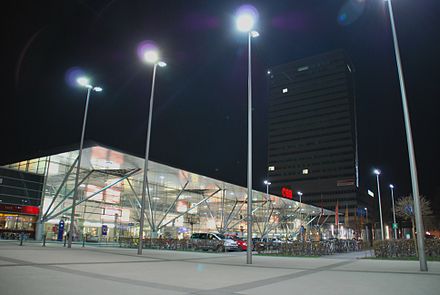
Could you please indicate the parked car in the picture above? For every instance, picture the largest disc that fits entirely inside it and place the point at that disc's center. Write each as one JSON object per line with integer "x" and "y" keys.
{"x": 242, "y": 244}
{"x": 213, "y": 241}
{"x": 92, "y": 239}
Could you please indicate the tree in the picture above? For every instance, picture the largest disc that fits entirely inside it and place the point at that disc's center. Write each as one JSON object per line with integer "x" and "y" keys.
{"x": 405, "y": 210}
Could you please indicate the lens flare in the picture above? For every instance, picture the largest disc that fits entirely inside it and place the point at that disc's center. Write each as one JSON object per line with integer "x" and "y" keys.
{"x": 72, "y": 75}
{"x": 350, "y": 12}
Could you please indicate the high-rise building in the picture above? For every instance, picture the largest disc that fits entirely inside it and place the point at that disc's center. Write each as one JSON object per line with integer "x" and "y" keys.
{"x": 312, "y": 132}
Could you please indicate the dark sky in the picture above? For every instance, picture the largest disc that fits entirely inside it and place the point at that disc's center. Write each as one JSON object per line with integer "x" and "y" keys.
{"x": 200, "y": 109}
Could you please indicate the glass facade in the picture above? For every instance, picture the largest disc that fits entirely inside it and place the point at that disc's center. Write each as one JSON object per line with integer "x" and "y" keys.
{"x": 20, "y": 196}
{"x": 178, "y": 202}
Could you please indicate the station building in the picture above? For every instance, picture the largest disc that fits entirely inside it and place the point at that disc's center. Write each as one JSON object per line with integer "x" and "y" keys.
{"x": 178, "y": 202}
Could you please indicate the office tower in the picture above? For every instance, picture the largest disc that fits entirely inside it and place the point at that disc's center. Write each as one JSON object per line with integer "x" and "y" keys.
{"x": 312, "y": 131}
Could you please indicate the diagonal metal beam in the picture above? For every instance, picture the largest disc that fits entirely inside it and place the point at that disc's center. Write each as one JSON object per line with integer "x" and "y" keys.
{"x": 253, "y": 211}
{"x": 235, "y": 214}
{"x": 275, "y": 224}
{"x": 222, "y": 219}
{"x": 268, "y": 219}
{"x": 195, "y": 206}
{"x": 212, "y": 216}
{"x": 136, "y": 197}
{"x": 244, "y": 218}
{"x": 259, "y": 207}
{"x": 171, "y": 206}
{"x": 69, "y": 193}
{"x": 324, "y": 220}
{"x": 229, "y": 215}
{"x": 259, "y": 229}
{"x": 95, "y": 193}
{"x": 308, "y": 223}
{"x": 61, "y": 186}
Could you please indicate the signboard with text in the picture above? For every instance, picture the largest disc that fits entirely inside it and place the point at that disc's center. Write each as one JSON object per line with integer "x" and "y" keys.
{"x": 287, "y": 193}
{"x": 104, "y": 230}
{"x": 60, "y": 230}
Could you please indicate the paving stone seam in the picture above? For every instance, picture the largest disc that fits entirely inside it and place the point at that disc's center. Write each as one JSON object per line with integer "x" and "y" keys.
{"x": 260, "y": 283}
{"x": 112, "y": 278}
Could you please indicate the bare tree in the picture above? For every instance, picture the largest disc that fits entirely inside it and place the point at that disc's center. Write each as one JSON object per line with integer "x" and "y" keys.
{"x": 405, "y": 210}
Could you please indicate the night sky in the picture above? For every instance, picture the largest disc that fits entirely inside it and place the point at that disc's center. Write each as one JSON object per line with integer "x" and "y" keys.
{"x": 199, "y": 120}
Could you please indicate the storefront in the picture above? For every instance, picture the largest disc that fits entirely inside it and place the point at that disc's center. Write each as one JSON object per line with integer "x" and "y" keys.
{"x": 15, "y": 220}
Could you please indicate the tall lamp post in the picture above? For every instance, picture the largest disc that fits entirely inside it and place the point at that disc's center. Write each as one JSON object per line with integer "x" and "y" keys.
{"x": 412, "y": 159}
{"x": 377, "y": 172}
{"x": 84, "y": 82}
{"x": 367, "y": 236}
{"x": 394, "y": 212}
{"x": 300, "y": 205}
{"x": 267, "y": 183}
{"x": 150, "y": 56}
{"x": 245, "y": 21}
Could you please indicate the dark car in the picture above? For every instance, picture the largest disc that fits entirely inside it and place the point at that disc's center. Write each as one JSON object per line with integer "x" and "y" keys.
{"x": 212, "y": 241}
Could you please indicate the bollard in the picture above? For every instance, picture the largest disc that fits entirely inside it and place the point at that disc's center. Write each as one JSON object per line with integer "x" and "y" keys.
{"x": 44, "y": 239}
{"x": 84, "y": 242}
{"x": 65, "y": 240}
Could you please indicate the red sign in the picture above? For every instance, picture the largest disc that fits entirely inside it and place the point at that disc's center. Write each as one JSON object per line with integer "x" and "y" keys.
{"x": 31, "y": 210}
{"x": 286, "y": 193}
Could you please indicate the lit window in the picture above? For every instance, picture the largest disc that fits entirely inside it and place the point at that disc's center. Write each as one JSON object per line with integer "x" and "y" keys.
{"x": 271, "y": 168}
{"x": 305, "y": 171}
{"x": 305, "y": 68}
{"x": 285, "y": 90}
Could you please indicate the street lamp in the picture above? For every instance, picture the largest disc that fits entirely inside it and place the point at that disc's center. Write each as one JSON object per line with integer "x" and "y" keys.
{"x": 377, "y": 172}
{"x": 367, "y": 235}
{"x": 394, "y": 212}
{"x": 300, "y": 211}
{"x": 267, "y": 183}
{"x": 245, "y": 21}
{"x": 410, "y": 144}
{"x": 150, "y": 56}
{"x": 84, "y": 82}
{"x": 300, "y": 205}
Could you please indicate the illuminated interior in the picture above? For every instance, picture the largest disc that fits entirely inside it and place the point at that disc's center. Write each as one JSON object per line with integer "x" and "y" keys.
{"x": 179, "y": 202}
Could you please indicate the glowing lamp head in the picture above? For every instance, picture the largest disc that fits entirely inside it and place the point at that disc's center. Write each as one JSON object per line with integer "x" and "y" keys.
{"x": 97, "y": 89}
{"x": 151, "y": 56}
{"x": 299, "y": 193}
{"x": 391, "y": 186}
{"x": 376, "y": 171}
{"x": 245, "y": 22}
{"x": 267, "y": 182}
{"x": 83, "y": 81}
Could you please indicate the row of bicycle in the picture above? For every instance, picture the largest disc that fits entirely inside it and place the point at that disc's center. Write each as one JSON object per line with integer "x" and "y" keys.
{"x": 310, "y": 248}
{"x": 13, "y": 236}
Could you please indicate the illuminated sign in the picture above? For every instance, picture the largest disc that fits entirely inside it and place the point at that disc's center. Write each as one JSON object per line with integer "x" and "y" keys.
{"x": 31, "y": 210}
{"x": 286, "y": 193}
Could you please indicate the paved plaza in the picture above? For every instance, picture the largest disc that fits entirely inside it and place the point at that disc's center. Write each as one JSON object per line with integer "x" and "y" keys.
{"x": 32, "y": 269}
